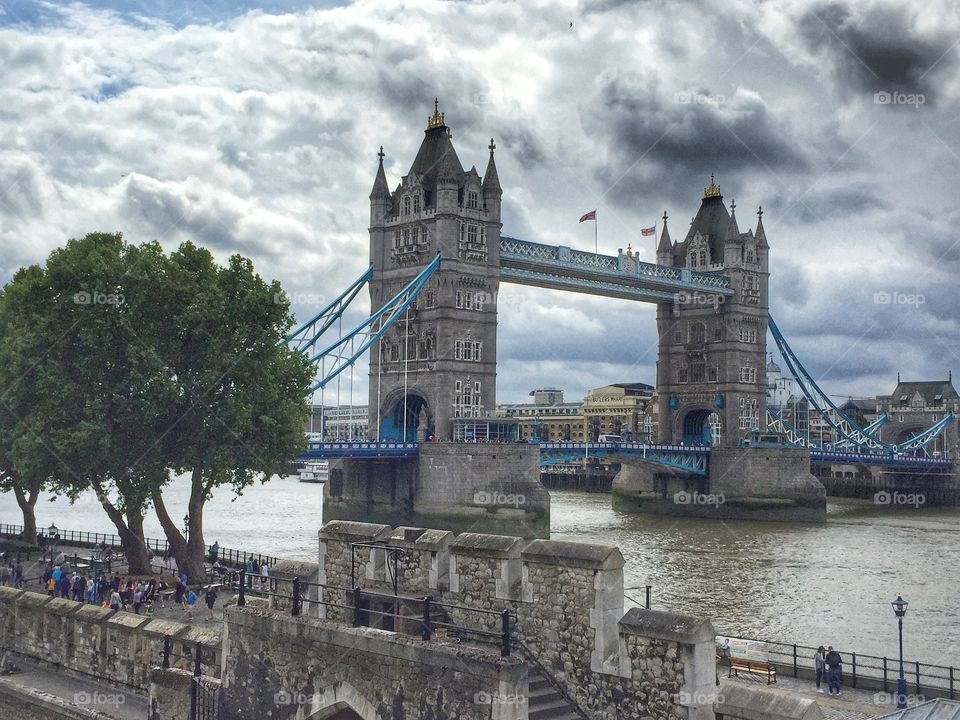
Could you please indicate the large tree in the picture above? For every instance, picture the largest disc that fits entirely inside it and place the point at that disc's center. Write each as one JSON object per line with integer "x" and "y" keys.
{"x": 241, "y": 395}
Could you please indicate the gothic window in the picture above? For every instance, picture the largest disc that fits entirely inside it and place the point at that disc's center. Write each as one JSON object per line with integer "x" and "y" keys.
{"x": 423, "y": 349}
{"x": 459, "y": 299}
{"x": 468, "y": 301}
{"x": 396, "y": 238}
{"x": 431, "y": 299}
{"x": 749, "y": 414}
{"x": 678, "y": 334}
{"x": 681, "y": 375}
{"x": 477, "y": 347}
{"x": 406, "y": 236}
{"x": 463, "y": 232}
{"x": 698, "y": 333}
{"x": 478, "y": 300}
{"x": 697, "y": 371}
{"x": 748, "y": 333}
{"x": 467, "y": 350}
{"x": 394, "y": 352}
{"x": 471, "y": 233}
{"x": 748, "y": 374}
{"x": 472, "y": 200}
{"x": 458, "y": 349}
{"x": 406, "y": 206}
{"x": 712, "y": 374}
{"x": 749, "y": 257}
{"x": 416, "y": 203}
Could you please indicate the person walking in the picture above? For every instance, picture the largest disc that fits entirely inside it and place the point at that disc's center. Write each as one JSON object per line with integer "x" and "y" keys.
{"x": 211, "y": 600}
{"x": 115, "y": 602}
{"x": 835, "y": 670}
{"x": 251, "y": 571}
{"x": 820, "y": 664}
{"x": 189, "y": 601}
{"x": 214, "y": 551}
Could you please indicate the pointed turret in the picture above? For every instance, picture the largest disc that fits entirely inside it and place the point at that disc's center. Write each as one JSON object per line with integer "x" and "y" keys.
{"x": 733, "y": 230}
{"x": 665, "y": 246}
{"x": 380, "y": 200}
{"x": 760, "y": 235}
{"x": 492, "y": 192}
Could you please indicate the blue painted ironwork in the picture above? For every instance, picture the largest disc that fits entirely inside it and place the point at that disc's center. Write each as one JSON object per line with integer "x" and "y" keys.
{"x": 879, "y": 458}
{"x": 845, "y": 428}
{"x": 305, "y": 336}
{"x": 567, "y": 269}
{"x": 690, "y": 458}
{"x": 370, "y": 330}
{"x": 872, "y": 429}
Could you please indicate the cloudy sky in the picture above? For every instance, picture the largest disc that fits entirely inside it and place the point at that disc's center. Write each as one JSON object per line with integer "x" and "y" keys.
{"x": 252, "y": 127}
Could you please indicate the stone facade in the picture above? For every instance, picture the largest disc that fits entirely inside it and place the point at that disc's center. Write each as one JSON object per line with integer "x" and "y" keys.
{"x": 712, "y": 358}
{"x": 170, "y": 693}
{"x": 116, "y": 646}
{"x": 439, "y": 362}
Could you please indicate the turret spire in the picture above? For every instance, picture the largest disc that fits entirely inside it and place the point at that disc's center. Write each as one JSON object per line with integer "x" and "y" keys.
{"x": 491, "y": 181}
{"x": 760, "y": 235}
{"x": 381, "y": 191}
{"x": 665, "y": 246}
{"x": 733, "y": 230}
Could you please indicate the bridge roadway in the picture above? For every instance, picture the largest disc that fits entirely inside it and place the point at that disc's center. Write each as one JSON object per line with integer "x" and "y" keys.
{"x": 691, "y": 458}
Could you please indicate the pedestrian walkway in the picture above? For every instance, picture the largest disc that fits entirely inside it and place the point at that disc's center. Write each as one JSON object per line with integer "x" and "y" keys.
{"x": 50, "y": 688}
{"x": 853, "y": 704}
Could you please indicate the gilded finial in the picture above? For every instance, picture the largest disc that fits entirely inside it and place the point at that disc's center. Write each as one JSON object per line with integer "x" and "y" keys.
{"x": 713, "y": 190}
{"x": 629, "y": 250}
{"x": 436, "y": 120}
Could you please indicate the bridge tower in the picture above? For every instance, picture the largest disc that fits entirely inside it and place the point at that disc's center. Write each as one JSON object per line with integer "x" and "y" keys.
{"x": 437, "y": 363}
{"x": 711, "y": 372}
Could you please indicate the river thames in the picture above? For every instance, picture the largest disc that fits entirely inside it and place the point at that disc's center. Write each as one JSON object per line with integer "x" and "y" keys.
{"x": 809, "y": 584}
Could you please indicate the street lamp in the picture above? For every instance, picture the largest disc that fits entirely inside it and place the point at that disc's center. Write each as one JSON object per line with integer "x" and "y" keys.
{"x": 186, "y": 527}
{"x": 900, "y": 609}
{"x": 52, "y": 533}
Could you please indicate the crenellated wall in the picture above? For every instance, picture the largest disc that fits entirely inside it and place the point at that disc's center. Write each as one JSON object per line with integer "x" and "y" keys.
{"x": 116, "y": 646}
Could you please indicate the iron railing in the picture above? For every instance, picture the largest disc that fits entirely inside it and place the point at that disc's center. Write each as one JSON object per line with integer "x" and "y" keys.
{"x": 82, "y": 538}
{"x": 866, "y": 671}
{"x": 423, "y": 616}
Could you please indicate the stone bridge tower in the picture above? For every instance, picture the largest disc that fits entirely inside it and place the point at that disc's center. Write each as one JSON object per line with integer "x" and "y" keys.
{"x": 711, "y": 373}
{"x": 437, "y": 363}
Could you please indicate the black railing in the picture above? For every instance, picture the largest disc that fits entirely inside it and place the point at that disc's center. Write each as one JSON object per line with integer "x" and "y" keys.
{"x": 866, "y": 671}
{"x": 82, "y": 538}
{"x": 423, "y": 616}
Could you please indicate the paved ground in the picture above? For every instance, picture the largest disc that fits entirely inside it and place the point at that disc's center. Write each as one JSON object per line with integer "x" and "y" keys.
{"x": 83, "y": 693}
{"x": 854, "y": 704}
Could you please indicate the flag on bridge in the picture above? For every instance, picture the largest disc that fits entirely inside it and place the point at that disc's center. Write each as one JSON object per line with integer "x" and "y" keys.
{"x": 592, "y": 215}
{"x": 646, "y": 232}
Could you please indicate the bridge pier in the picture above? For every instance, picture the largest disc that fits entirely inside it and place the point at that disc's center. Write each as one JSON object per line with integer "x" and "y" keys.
{"x": 462, "y": 487}
{"x": 755, "y": 483}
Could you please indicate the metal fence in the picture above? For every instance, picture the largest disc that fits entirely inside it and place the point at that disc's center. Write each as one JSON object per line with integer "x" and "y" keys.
{"x": 365, "y": 608}
{"x": 870, "y": 672}
{"x": 204, "y": 696}
{"x": 82, "y": 538}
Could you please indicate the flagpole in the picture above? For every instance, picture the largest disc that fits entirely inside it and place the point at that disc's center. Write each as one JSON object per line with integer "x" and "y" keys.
{"x": 596, "y": 233}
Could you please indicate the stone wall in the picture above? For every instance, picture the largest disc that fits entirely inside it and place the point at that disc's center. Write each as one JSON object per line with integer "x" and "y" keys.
{"x": 278, "y": 666}
{"x": 567, "y": 600}
{"x": 116, "y": 646}
{"x": 23, "y": 703}
{"x": 170, "y": 694}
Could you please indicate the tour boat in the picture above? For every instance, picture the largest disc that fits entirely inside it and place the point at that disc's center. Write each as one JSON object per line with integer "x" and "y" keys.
{"x": 315, "y": 472}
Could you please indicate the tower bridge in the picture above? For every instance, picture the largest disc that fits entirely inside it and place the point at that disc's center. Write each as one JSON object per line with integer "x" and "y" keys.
{"x": 437, "y": 260}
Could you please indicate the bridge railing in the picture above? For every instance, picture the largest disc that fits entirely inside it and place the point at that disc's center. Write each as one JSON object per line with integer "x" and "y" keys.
{"x": 864, "y": 671}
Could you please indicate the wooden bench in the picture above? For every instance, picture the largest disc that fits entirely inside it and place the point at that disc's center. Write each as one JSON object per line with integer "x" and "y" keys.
{"x": 753, "y": 667}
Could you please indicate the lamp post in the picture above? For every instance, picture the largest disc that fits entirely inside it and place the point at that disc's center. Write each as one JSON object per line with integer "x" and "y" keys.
{"x": 52, "y": 533}
{"x": 186, "y": 527}
{"x": 900, "y": 609}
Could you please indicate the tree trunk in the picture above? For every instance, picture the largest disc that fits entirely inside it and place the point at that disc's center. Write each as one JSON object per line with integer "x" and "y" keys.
{"x": 138, "y": 563}
{"x": 189, "y": 552}
{"x": 28, "y": 503}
